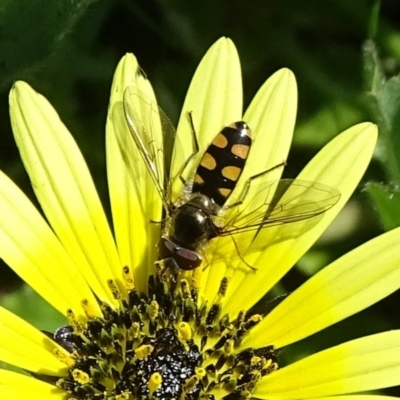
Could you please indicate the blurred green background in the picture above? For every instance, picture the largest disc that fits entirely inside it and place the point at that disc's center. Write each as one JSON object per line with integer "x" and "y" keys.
{"x": 67, "y": 50}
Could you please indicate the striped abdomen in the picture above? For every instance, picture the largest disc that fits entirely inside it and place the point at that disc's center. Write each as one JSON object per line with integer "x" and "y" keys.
{"x": 223, "y": 162}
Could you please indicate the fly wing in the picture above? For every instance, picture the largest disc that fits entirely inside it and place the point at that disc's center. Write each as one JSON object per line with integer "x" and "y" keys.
{"x": 153, "y": 135}
{"x": 282, "y": 202}
{"x": 278, "y": 211}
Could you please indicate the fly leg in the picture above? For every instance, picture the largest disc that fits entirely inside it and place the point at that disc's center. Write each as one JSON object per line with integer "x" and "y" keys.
{"x": 250, "y": 181}
{"x": 195, "y": 149}
{"x": 167, "y": 270}
{"x": 254, "y": 269}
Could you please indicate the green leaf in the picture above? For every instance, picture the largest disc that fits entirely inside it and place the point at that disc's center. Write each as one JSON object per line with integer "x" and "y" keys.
{"x": 387, "y": 202}
{"x": 30, "y": 31}
{"x": 328, "y": 121}
{"x": 28, "y": 305}
{"x": 389, "y": 102}
{"x": 389, "y": 105}
{"x": 374, "y": 19}
{"x": 373, "y": 73}
{"x": 384, "y": 101}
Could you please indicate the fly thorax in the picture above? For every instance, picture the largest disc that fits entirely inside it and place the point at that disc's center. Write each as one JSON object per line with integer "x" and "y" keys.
{"x": 204, "y": 203}
{"x": 191, "y": 226}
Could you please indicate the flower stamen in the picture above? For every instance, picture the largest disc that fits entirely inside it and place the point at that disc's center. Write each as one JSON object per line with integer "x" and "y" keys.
{"x": 127, "y": 276}
{"x": 155, "y": 382}
{"x": 163, "y": 345}
{"x": 114, "y": 289}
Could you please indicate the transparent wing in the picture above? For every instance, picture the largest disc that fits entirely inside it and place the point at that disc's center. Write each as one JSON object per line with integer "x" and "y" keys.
{"x": 288, "y": 208}
{"x": 281, "y": 202}
{"x": 154, "y": 135}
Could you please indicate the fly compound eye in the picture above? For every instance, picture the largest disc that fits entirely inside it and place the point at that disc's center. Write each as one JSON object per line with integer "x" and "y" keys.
{"x": 185, "y": 259}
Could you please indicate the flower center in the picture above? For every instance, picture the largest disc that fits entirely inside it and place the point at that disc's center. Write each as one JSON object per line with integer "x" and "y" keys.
{"x": 171, "y": 359}
{"x": 163, "y": 346}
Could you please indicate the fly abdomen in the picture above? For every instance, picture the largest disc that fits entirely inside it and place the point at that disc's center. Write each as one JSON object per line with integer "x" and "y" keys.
{"x": 223, "y": 163}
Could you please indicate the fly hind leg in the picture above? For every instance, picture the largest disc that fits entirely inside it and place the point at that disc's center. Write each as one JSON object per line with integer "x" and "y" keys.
{"x": 250, "y": 181}
{"x": 195, "y": 148}
{"x": 167, "y": 271}
{"x": 254, "y": 269}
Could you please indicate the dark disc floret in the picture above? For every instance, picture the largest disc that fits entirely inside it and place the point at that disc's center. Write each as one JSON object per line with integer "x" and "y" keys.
{"x": 163, "y": 345}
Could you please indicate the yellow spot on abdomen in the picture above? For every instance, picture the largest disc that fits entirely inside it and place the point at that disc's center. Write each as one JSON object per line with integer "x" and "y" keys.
{"x": 220, "y": 141}
{"x": 225, "y": 192}
{"x": 198, "y": 179}
{"x": 208, "y": 161}
{"x": 231, "y": 172}
{"x": 240, "y": 150}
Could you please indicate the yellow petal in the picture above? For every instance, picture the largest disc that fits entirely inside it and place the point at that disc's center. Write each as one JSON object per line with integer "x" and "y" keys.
{"x": 30, "y": 248}
{"x": 24, "y": 346}
{"x": 18, "y": 386}
{"x": 64, "y": 187}
{"x": 271, "y": 116}
{"x": 214, "y": 100}
{"x": 135, "y": 201}
{"x": 347, "y": 286}
{"x": 340, "y": 164}
{"x": 368, "y": 363}
{"x": 357, "y": 397}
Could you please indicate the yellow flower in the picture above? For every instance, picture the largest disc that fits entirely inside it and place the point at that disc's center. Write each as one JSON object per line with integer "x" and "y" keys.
{"x": 134, "y": 334}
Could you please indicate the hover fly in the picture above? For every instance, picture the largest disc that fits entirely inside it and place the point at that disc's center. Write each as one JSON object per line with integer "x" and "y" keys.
{"x": 200, "y": 213}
